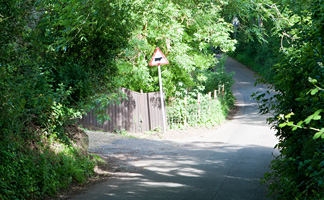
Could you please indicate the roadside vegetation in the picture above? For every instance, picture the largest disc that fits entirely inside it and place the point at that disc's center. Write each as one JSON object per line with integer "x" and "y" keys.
{"x": 291, "y": 58}
{"x": 60, "y": 58}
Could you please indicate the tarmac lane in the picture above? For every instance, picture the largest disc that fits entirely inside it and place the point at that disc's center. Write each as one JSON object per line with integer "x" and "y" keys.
{"x": 227, "y": 164}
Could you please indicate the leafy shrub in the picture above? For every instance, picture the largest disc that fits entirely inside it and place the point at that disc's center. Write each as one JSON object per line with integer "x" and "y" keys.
{"x": 260, "y": 57}
{"x": 57, "y": 56}
{"x": 297, "y": 107}
{"x": 188, "y": 113}
{"x": 33, "y": 174}
{"x": 185, "y": 110}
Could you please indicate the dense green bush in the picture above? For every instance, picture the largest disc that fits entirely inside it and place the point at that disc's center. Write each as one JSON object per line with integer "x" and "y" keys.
{"x": 217, "y": 77}
{"x": 185, "y": 31}
{"x": 298, "y": 107}
{"x": 260, "y": 57}
{"x": 209, "y": 112}
{"x": 184, "y": 106}
{"x": 50, "y": 65}
{"x": 35, "y": 171}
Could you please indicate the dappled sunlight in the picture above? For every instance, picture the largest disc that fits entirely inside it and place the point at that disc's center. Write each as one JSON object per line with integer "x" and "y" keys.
{"x": 242, "y": 83}
{"x": 160, "y": 184}
{"x": 250, "y": 115}
{"x": 228, "y": 149}
{"x": 180, "y": 170}
{"x": 190, "y": 172}
{"x": 186, "y": 162}
{"x": 194, "y": 168}
{"x": 242, "y": 178}
{"x": 160, "y": 169}
{"x": 244, "y": 104}
{"x": 164, "y": 174}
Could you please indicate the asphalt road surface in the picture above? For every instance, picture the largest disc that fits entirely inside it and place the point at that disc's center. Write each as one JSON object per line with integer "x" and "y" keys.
{"x": 226, "y": 164}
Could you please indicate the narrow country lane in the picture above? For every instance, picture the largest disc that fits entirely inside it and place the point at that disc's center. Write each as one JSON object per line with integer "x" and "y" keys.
{"x": 225, "y": 164}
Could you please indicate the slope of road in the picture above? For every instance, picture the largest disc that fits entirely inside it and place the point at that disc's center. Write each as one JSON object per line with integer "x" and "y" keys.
{"x": 227, "y": 163}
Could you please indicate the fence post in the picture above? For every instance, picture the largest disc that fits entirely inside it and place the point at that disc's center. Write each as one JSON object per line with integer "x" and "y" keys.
{"x": 215, "y": 94}
{"x": 219, "y": 90}
{"x": 162, "y": 101}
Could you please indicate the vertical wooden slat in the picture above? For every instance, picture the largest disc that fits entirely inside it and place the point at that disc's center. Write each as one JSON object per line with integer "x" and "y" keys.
{"x": 124, "y": 116}
{"x": 112, "y": 110}
{"x": 109, "y": 121}
{"x": 149, "y": 111}
{"x": 137, "y": 125}
{"x": 130, "y": 112}
{"x": 145, "y": 106}
{"x": 131, "y": 107}
{"x": 146, "y": 113}
{"x": 118, "y": 112}
{"x": 141, "y": 118}
{"x": 113, "y": 118}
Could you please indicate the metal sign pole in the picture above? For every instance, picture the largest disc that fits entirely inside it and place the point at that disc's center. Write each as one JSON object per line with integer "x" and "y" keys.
{"x": 162, "y": 102}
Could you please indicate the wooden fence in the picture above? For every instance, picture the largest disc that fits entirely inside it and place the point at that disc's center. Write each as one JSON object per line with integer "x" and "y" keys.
{"x": 138, "y": 113}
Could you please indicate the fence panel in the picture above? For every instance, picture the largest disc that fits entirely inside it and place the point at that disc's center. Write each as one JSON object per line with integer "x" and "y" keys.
{"x": 138, "y": 113}
{"x": 154, "y": 110}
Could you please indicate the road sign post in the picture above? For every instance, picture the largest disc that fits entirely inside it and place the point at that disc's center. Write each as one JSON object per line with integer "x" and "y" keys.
{"x": 159, "y": 59}
{"x": 162, "y": 102}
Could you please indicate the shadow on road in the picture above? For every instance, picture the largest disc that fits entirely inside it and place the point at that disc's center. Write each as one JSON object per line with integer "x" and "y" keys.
{"x": 154, "y": 169}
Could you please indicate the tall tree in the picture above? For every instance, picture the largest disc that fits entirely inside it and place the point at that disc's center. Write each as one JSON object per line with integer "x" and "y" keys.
{"x": 185, "y": 32}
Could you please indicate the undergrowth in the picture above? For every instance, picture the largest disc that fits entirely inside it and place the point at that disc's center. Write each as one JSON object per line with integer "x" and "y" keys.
{"x": 260, "y": 57}
{"x": 39, "y": 169}
{"x": 186, "y": 111}
{"x": 206, "y": 113}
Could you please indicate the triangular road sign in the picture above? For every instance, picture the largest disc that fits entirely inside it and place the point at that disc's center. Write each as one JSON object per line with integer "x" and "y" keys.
{"x": 158, "y": 58}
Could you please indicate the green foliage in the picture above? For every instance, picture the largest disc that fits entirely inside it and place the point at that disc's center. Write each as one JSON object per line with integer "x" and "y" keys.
{"x": 50, "y": 66}
{"x": 218, "y": 77}
{"x": 183, "y": 113}
{"x": 33, "y": 174}
{"x": 59, "y": 58}
{"x": 185, "y": 32}
{"x": 260, "y": 57}
{"x": 298, "y": 104}
{"x": 184, "y": 110}
{"x": 52, "y": 58}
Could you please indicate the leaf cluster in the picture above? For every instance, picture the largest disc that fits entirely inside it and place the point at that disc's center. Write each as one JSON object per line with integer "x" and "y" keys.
{"x": 298, "y": 104}
{"x": 59, "y": 57}
{"x": 50, "y": 66}
{"x": 185, "y": 32}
